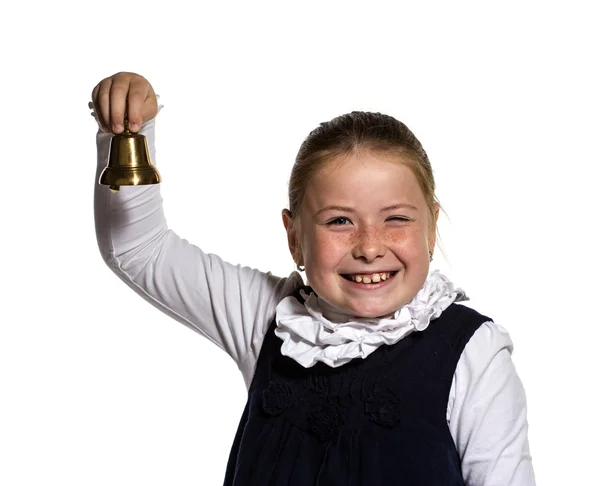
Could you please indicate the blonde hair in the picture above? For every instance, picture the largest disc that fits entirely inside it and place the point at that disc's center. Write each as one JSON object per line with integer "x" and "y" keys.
{"x": 353, "y": 132}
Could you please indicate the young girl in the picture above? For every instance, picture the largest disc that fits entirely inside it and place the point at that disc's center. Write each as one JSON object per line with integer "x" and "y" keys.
{"x": 370, "y": 375}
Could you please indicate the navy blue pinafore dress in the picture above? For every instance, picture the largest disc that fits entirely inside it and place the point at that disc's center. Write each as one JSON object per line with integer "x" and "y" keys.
{"x": 379, "y": 421}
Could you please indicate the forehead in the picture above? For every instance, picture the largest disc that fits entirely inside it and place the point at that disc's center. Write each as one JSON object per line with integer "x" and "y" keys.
{"x": 364, "y": 179}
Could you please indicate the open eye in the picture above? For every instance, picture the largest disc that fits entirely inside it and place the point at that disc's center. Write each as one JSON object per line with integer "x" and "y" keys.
{"x": 339, "y": 221}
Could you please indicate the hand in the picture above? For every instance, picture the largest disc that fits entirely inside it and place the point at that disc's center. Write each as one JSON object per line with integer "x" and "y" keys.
{"x": 123, "y": 91}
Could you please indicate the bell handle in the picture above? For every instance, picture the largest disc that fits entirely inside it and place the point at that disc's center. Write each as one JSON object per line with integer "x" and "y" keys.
{"x": 126, "y": 124}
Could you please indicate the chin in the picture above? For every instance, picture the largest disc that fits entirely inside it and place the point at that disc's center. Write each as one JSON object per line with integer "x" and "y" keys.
{"x": 373, "y": 312}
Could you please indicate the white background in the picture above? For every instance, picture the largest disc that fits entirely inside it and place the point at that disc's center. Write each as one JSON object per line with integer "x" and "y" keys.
{"x": 98, "y": 387}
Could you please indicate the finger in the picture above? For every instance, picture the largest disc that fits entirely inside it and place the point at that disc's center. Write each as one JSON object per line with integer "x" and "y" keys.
{"x": 101, "y": 99}
{"x": 94, "y": 107}
{"x": 94, "y": 112}
{"x": 138, "y": 93}
{"x": 118, "y": 102}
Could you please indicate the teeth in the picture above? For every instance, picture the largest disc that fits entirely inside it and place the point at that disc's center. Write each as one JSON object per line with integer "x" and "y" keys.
{"x": 374, "y": 278}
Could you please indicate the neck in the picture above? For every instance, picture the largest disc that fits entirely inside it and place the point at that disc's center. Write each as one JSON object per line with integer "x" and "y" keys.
{"x": 336, "y": 315}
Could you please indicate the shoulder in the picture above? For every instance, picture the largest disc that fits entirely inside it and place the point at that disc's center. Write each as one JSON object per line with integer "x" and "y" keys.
{"x": 462, "y": 312}
{"x": 487, "y": 336}
{"x": 292, "y": 286}
{"x": 457, "y": 324}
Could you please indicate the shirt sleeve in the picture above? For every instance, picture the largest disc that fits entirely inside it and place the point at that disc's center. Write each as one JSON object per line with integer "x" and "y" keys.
{"x": 487, "y": 413}
{"x": 230, "y": 305}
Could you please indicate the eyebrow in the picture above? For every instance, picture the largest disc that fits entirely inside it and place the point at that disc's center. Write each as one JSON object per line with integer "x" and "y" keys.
{"x": 352, "y": 210}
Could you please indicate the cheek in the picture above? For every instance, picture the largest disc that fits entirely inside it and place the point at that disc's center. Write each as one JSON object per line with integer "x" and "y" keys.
{"x": 327, "y": 248}
{"x": 408, "y": 241}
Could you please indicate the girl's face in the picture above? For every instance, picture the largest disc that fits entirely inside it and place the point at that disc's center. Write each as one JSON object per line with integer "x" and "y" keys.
{"x": 364, "y": 219}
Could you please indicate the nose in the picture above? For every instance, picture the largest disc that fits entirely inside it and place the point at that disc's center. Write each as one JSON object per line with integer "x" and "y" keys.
{"x": 369, "y": 246}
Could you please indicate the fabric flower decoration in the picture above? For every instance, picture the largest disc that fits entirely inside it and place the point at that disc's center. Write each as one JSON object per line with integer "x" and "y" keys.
{"x": 277, "y": 397}
{"x": 325, "y": 422}
{"x": 384, "y": 407}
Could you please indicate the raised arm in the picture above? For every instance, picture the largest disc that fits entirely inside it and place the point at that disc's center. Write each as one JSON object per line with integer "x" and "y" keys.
{"x": 230, "y": 305}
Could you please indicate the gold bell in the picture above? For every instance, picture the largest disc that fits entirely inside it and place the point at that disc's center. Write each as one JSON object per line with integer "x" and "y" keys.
{"x": 129, "y": 161}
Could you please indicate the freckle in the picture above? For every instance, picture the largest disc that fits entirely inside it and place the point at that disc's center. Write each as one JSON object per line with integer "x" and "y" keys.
{"x": 396, "y": 238}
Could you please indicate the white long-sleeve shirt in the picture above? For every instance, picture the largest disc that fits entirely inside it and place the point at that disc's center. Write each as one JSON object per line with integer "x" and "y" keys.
{"x": 233, "y": 306}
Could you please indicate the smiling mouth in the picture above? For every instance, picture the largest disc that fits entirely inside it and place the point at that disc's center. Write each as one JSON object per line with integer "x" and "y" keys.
{"x": 369, "y": 278}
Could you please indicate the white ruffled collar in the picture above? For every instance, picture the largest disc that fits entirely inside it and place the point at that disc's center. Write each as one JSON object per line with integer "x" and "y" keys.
{"x": 313, "y": 331}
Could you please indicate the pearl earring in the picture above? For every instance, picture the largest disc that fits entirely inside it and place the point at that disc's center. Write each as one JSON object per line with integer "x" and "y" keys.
{"x": 300, "y": 268}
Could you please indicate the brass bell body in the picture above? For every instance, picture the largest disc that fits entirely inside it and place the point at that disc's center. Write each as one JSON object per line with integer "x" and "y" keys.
{"x": 129, "y": 162}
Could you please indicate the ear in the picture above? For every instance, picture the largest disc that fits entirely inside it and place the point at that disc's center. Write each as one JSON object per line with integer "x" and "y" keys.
{"x": 292, "y": 234}
{"x": 433, "y": 228}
